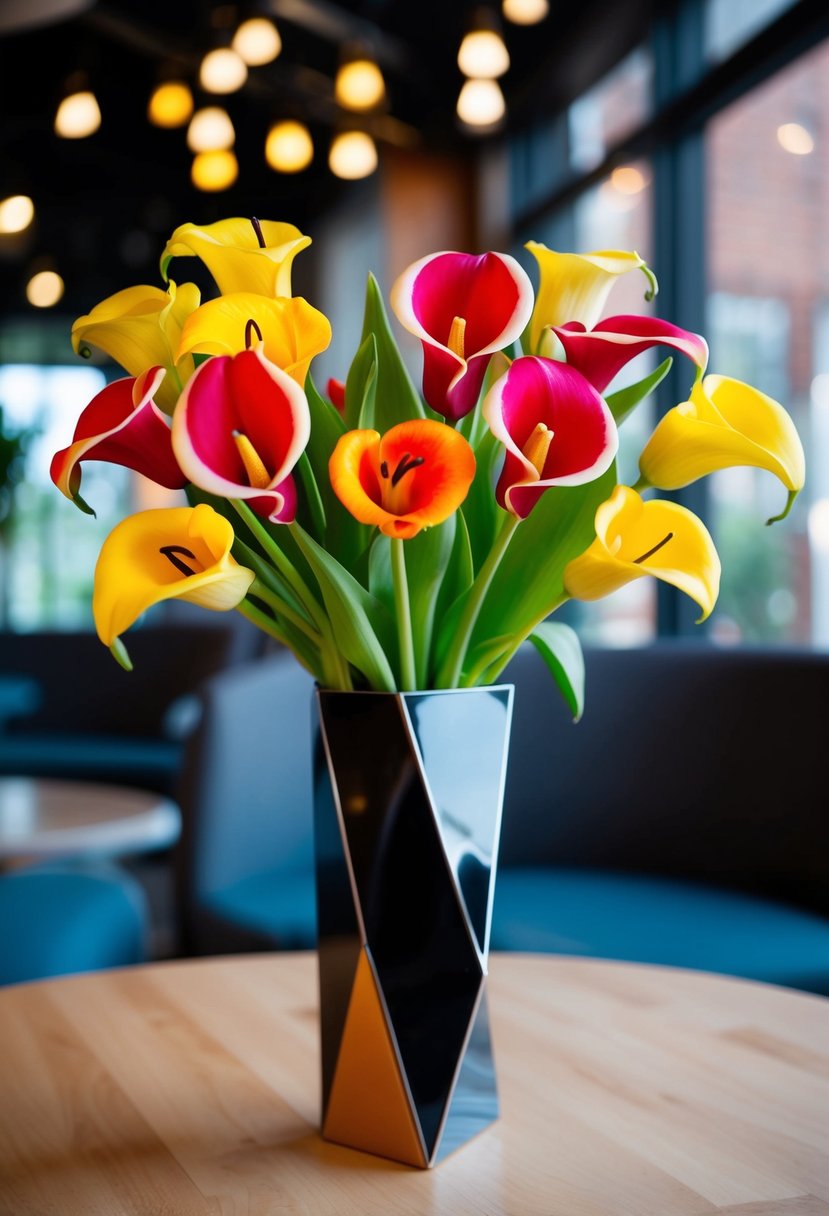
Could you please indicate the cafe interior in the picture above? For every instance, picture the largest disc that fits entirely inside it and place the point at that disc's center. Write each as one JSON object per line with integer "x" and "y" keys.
{"x": 166, "y": 813}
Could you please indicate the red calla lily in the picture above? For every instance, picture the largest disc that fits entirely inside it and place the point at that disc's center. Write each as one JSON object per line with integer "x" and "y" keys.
{"x": 239, "y": 428}
{"x": 601, "y": 352}
{"x": 556, "y": 428}
{"x": 463, "y": 308}
{"x": 121, "y": 425}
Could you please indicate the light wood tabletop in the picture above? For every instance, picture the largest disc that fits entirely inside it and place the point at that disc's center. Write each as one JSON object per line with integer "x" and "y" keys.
{"x": 192, "y": 1088}
{"x": 51, "y": 817}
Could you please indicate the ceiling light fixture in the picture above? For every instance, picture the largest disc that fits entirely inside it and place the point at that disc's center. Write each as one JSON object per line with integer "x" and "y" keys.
{"x": 352, "y": 155}
{"x": 222, "y": 71}
{"x": 257, "y": 41}
{"x": 44, "y": 289}
{"x": 289, "y": 147}
{"x": 16, "y": 213}
{"x": 481, "y": 103}
{"x": 171, "y": 104}
{"x": 359, "y": 84}
{"x": 78, "y": 115}
{"x": 214, "y": 170}
{"x": 795, "y": 138}
{"x": 525, "y": 12}
{"x": 483, "y": 53}
{"x": 210, "y": 130}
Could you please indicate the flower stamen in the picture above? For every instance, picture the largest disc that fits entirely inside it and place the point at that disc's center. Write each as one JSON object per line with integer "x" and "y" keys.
{"x": 407, "y": 463}
{"x": 257, "y": 228}
{"x": 538, "y": 445}
{"x": 258, "y": 476}
{"x": 251, "y": 328}
{"x": 638, "y": 560}
{"x": 171, "y": 553}
{"x": 457, "y": 333}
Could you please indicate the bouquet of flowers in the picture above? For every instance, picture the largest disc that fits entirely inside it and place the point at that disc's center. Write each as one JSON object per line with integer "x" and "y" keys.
{"x": 396, "y": 537}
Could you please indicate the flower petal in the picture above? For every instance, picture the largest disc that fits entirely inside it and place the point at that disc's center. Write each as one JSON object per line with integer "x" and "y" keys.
{"x": 293, "y": 332}
{"x": 141, "y": 563}
{"x": 243, "y": 395}
{"x": 231, "y": 251}
{"x": 635, "y": 538}
{"x": 575, "y": 286}
{"x": 601, "y": 352}
{"x": 543, "y": 392}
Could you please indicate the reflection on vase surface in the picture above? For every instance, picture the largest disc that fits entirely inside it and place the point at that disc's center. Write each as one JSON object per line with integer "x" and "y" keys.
{"x": 409, "y": 789}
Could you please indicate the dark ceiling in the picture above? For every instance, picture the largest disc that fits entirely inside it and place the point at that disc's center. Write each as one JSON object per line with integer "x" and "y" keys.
{"x": 106, "y": 204}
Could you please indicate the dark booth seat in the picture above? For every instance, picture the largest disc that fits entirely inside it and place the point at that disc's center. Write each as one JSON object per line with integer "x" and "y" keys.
{"x": 683, "y": 821}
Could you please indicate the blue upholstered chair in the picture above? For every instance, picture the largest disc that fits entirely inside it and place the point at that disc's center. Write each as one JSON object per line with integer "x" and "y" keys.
{"x": 63, "y": 918}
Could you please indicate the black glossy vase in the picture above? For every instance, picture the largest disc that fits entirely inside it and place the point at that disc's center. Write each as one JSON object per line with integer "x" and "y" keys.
{"x": 408, "y": 796}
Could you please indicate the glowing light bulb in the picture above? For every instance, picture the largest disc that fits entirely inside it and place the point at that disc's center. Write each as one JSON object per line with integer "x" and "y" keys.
{"x": 222, "y": 71}
{"x": 16, "y": 213}
{"x": 794, "y": 138}
{"x": 483, "y": 55}
{"x": 352, "y": 155}
{"x": 627, "y": 179}
{"x": 289, "y": 147}
{"x": 44, "y": 289}
{"x": 525, "y": 12}
{"x": 210, "y": 130}
{"x": 214, "y": 170}
{"x": 78, "y": 115}
{"x": 171, "y": 104}
{"x": 359, "y": 85}
{"x": 257, "y": 41}
{"x": 481, "y": 103}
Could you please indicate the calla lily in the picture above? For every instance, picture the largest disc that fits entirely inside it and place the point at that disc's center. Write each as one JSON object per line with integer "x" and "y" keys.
{"x": 140, "y": 327}
{"x": 173, "y": 553}
{"x": 635, "y": 538}
{"x": 601, "y": 352}
{"x": 415, "y": 476}
{"x": 241, "y": 254}
{"x": 463, "y": 309}
{"x": 239, "y": 428}
{"x": 725, "y": 423}
{"x": 557, "y": 431}
{"x": 122, "y": 425}
{"x": 291, "y": 331}
{"x": 575, "y": 286}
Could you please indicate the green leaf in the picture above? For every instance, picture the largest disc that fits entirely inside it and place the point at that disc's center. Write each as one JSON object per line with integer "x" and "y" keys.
{"x": 481, "y": 511}
{"x": 560, "y": 648}
{"x": 345, "y": 538}
{"x": 361, "y": 386}
{"x": 310, "y": 508}
{"x": 428, "y": 558}
{"x": 119, "y": 652}
{"x": 358, "y": 619}
{"x": 625, "y": 400}
{"x": 396, "y": 399}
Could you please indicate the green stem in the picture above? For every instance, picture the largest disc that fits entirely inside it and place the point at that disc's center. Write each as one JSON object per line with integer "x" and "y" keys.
{"x": 294, "y": 580}
{"x": 642, "y": 484}
{"x": 404, "y": 615}
{"x": 450, "y": 672}
{"x": 262, "y": 592}
{"x": 494, "y": 669}
{"x": 313, "y": 498}
{"x": 262, "y": 621}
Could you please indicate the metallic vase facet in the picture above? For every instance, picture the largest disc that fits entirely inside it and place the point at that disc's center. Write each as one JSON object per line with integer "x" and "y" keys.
{"x": 408, "y": 797}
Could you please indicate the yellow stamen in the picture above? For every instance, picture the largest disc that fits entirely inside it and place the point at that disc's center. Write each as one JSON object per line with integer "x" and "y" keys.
{"x": 537, "y": 446}
{"x": 258, "y": 475}
{"x": 456, "y": 337}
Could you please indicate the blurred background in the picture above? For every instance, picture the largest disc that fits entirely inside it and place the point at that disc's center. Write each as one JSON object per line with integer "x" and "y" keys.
{"x": 693, "y": 131}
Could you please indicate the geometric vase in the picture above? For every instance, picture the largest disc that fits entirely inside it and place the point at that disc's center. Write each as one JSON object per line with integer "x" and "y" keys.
{"x": 408, "y": 792}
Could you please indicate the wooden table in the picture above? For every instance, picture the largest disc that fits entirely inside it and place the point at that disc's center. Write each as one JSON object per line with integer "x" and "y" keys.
{"x": 191, "y": 1088}
{"x": 43, "y": 817}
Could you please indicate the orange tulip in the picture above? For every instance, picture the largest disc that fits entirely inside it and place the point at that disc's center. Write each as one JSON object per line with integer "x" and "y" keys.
{"x": 415, "y": 476}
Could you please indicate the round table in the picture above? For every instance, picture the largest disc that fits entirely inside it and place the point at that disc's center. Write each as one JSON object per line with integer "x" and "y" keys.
{"x": 44, "y": 817}
{"x": 192, "y": 1088}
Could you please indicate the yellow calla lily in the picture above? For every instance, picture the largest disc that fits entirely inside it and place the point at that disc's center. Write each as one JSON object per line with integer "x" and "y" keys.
{"x": 176, "y": 552}
{"x": 241, "y": 254}
{"x": 291, "y": 330}
{"x": 725, "y": 423}
{"x": 140, "y": 328}
{"x": 575, "y": 286}
{"x": 635, "y": 538}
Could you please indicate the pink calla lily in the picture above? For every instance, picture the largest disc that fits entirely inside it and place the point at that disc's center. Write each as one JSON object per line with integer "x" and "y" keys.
{"x": 556, "y": 428}
{"x": 239, "y": 428}
{"x": 463, "y": 308}
{"x": 121, "y": 425}
{"x": 601, "y": 352}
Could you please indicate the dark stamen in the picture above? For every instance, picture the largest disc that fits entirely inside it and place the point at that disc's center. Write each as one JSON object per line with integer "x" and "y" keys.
{"x": 257, "y": 228}
{"x": 406, "y": 465}
{"x": 655, "y": 549}
{"x": 251, "y": 328}
{"x": 384, "y": 470}
{"x": 170, "y": 552}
